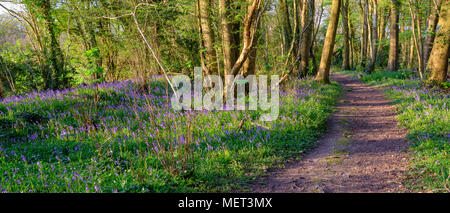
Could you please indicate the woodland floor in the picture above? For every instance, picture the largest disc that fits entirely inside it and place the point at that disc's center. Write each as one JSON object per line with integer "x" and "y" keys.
{"x": 364, "y": 150}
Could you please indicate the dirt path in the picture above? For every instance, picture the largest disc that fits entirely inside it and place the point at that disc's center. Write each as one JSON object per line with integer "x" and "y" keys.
{"x": 363, "y": 151}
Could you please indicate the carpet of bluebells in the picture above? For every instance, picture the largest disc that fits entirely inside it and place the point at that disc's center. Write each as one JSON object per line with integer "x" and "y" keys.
{"x": 425, "y": 113}
{"x": 124, "y": 137}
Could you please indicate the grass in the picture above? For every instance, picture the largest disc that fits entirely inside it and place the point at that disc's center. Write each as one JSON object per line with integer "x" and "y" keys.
{"x": 121, "y": 138}
{"x": 425, "y": 113}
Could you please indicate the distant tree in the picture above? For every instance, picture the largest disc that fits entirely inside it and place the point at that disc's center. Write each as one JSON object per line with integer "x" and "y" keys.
{"x": 208, "y": 35}
{"x": 373, "y": 35}
{"x": 364, "y": 32}
{"x": 346, "y": 31}
{"x": 394, "y": 40}
{"x": 286, "y": 25}
{"x": 307, "y": 33}
{"x": 414, "y": 9}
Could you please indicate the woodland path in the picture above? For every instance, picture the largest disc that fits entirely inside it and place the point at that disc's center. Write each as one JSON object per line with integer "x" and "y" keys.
{"x": 364, "y": 150}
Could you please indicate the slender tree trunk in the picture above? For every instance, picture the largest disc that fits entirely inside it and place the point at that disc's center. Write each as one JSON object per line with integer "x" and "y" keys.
{"x": 228, "y": 41}
{"x": 364, "y": 35}
{"x": 208, "y": 36}
{"x": 384, "y": 16}
{"x": 383, "y": 21}
{"x": 353, "y": 54}
{"x": 297, "y": 29}
{"x": 201, "y": 42}
{"x": 417, "y": 38}
{"x": 403, "y": 47}
{"x": 249, "y": 67}
{"x": 236, "y": 34}
{"x": 314, "y": 39}
{"x": 344, "y": 11}
{"x": 251, "y": 24}
{"x": 324, "y": 68}
{"x": 374, "y": 38}
{"x": 286, "y": 23}
{"x": 294, "y": 45}
{"x": 393, "y": 41}
{"x": 369, "y": 30}
{"x": 307, "y": 31}
{"x": 250, "y": 27}
{"x": 439, "y": 57}
{"x": 411, "y": 53}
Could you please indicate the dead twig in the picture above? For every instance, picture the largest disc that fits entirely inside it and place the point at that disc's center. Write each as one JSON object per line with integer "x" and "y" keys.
{"x": 133, "y": 14}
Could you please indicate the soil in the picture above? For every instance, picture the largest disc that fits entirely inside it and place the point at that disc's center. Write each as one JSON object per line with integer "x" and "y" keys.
{"x": 364, "y": 150}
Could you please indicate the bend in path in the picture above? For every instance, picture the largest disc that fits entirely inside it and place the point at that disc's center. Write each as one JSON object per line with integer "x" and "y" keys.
{"x": 364, "y": 150}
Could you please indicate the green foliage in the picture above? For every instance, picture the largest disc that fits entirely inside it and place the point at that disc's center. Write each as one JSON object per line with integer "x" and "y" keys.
{"x": 93, "y": 70}
{"x": 445, "y": 85}
{"x": 384, "y": 76}
{"x": 17, "y": 63}
{"x": 89, "y": 72}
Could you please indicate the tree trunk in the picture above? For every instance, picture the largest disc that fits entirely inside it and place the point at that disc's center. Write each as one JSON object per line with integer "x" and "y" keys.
{"x": 393, "y": 42}
{"x": 324, "y": 68}
{"x": 308, "y": 27}
{"x": 438, "y": 62}
{"x": 229, "y": 45}
{"x": 56, "y": 57}
{"x": 403, "y": 58}
{"x": 417, "y": 38}
{"x": 286, "y": 23}
{"x": 208, "y": 36}
{"x": 364, "y": 35}
{"x": 411, "y": 53}
{"x": 353, "y": 53}
{"x": 346, "y": 59}
{"x": 249, "y": 67}
{"x": 250, "y": 27}
{"x": 251, "y": 23}
{"x": 383, "y": 22}
{"x": 236, "y": 35}
{"x": 432, "y": 23}
{"x": 384, "y": 16}
{"x": 374, "y": 37}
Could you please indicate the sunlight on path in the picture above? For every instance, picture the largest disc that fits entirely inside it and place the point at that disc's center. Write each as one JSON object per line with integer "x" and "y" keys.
{"x": 364, "y": 150}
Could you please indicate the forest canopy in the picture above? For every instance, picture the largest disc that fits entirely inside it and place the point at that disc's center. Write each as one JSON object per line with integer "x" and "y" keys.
{"x": 46, "y": 43}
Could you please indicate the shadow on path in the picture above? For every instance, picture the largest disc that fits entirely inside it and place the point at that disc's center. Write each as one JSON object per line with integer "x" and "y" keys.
{"x": 364, "y": 150}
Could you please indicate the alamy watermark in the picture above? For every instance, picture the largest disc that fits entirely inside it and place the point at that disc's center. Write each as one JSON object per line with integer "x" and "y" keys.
{"x": 213, "y": 99}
